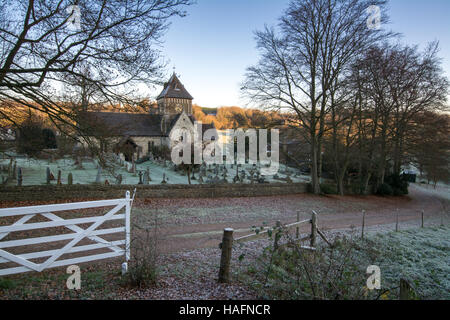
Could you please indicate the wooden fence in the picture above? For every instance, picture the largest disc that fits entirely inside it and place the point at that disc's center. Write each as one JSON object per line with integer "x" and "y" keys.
{"x": 277, "y": 231}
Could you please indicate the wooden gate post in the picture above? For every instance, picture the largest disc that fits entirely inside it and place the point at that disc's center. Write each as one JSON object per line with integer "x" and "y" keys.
{"x": 313, "y": 229}
{"x": 227, "y": 246}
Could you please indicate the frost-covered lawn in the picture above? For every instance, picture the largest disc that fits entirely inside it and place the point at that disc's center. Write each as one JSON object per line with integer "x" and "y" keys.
{"x": 421, "y": 256}
{"x": 34, "y": 172}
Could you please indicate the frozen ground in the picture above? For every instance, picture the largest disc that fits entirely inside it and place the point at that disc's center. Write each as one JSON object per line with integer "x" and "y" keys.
{"x": 441, "y": 190}
{"x": 191, "y": 230}
{"x": 34, "y": 172}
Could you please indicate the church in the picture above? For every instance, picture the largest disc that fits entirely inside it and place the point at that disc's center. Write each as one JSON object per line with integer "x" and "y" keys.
{"x": 141, "y": 133}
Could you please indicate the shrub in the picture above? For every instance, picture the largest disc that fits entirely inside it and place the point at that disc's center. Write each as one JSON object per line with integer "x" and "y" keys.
{"x": 385, "y": 190}
{"x": 143, "y": 268}
{"x": 334, "y": 272}
{"x": 30, "y": 140}
{"x": 49, "y": 139}
{"x": 398, "y": 183}
{"x": 328, "y": 188}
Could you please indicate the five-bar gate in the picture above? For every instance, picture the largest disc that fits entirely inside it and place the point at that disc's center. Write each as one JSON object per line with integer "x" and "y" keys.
{"x": 93, "y": 233}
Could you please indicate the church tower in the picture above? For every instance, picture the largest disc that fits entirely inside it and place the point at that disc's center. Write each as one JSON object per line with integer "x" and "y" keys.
{"x": 174, "y": 98}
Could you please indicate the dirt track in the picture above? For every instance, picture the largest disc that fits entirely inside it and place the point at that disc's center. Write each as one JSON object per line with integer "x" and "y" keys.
{"x": 197, "y": 223}
{"x": 186, "y": 224}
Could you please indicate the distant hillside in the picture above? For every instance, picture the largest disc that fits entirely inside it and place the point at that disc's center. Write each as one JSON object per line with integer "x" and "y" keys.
{"x": 237, "y": 117}
{"x": 209, "y": 111}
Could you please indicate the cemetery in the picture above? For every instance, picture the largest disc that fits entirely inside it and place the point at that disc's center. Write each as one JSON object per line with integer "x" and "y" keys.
{"x": 17, "y": 170}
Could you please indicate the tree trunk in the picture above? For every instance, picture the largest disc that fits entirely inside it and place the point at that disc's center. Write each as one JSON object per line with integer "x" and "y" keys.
{"x": 314, "y": 168}
{"x": 366, "y": 183}
{"x": 340, "y": 184}
{"x": 189, "y": 175}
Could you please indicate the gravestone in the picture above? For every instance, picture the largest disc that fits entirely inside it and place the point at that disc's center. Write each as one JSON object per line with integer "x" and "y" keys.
{"x": 147, "y": 176}
{"x": 48, "y": 173}
{"x": 224, "y": 176}
{"x": 10, "y": 168}
{"x": 14, "y": 170}
{"x": 140, "y": 178}
{"x": 203, "y": 170}
{"x": 99, "y": 175}
{"x": 242, "y": 176}
{"x": 59, "y": 178}
{"x": 19, "y": 177}
{"x": 133, "y": 167}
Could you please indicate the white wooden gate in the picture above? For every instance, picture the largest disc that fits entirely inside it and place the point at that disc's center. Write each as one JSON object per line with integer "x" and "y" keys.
{"x": 117, "y": 248}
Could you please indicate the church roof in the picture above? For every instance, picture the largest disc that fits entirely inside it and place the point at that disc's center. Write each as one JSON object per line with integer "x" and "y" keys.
{"x": 174, "y": 89}
{"x": 126, "y": 124}
{"x": 131, "y": 124}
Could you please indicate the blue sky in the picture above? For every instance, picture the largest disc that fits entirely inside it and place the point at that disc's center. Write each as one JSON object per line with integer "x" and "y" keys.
{"x": 214, "y": 44}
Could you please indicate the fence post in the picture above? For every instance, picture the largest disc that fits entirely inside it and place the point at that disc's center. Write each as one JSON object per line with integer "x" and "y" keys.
{"x": 313, "y": 229}
{"x": 277, "y": 235}
{"x": 396, "y": 223}
{"x": 363, "y": 223}
{"x": 227, "y": 246}
{"x": 297, "y": 230}
{"x": 127, "y": 232}
{"x": 422, "y": 219}
{"x": 406, "y": 291}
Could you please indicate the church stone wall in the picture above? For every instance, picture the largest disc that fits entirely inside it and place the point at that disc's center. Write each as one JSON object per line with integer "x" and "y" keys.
{"x": 143, "y": 143}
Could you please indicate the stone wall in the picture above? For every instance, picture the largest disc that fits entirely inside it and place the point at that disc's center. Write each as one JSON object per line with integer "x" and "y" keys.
{"x": 46, "y": 193}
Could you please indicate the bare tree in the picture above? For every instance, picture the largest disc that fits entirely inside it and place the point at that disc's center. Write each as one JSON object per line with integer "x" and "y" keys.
{"x": 44, "y": 45}
{"x": 395, "y": 83}
{"x": 428, "y": 146}
{"x": 305, "y": 60}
